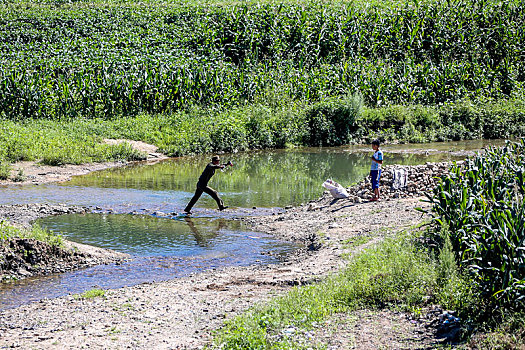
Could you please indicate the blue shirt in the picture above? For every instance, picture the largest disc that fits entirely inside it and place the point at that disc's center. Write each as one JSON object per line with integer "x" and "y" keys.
{"x": 378, "y": 155}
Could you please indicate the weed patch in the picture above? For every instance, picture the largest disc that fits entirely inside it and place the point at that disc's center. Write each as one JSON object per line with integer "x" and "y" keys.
{"x": 90, "y": 294}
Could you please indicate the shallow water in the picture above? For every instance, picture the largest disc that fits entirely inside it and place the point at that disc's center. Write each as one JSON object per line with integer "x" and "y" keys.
{"x": 182, "y": 237}
{"x": 162, "y": 249}
{"x": 166, "y": 247}
{"x": 265, "y": 179}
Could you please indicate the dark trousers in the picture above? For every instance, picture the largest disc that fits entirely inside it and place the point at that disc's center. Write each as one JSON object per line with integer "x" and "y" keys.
{"x": 198, "y": 192}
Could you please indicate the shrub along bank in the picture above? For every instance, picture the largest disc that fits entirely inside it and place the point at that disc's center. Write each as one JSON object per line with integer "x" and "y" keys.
{"x": 332, "y": 122}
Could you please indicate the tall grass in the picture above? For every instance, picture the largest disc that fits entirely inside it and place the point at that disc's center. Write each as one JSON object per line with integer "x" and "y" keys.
{"x": 59, "y": 142}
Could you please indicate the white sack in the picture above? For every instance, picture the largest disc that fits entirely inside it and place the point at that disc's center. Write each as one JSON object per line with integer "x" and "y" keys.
{"x": 336, "y": 190}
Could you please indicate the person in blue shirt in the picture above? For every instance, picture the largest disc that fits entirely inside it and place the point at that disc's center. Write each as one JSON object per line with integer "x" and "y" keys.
{"x": 375, "y": 170}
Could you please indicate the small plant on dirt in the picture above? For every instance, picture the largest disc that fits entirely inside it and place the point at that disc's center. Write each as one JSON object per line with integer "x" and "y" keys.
{"x": 356, "y": 241}
{"x": 7, "y": 231}
{"x": 5, "y": 170}
{"x": 44, "y": 235}
{"x": 90, "y": 294}
{"x": 20, "y": 176}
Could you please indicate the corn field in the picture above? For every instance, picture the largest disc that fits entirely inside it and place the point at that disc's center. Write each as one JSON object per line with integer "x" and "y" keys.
{"x": 481, "y": 204}
{"x": 107, "y": 59}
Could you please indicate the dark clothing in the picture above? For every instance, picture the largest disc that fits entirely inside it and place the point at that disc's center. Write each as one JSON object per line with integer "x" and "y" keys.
{"x": 208, "y": 172}
{"x": 202, "y": 187}
{"x": 198, "y": 192}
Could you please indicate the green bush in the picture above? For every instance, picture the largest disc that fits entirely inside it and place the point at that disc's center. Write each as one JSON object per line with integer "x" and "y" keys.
{"x": 331, "y": 122}
{"x": 462, "y": 120}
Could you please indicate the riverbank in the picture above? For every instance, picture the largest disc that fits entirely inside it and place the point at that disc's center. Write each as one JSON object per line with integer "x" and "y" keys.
{"x": 24, "y": 253}
{"x": 23, "y": 257}
{"x": 182, "y": 313}
{"x": 36, "y": 173}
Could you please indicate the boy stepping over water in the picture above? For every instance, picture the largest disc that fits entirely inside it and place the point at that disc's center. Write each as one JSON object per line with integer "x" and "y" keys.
{"x": 375, "y": 170}
{"x": 202, "y": 185}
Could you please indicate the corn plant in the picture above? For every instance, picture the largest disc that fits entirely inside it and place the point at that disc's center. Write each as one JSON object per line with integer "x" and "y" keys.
{"x": 482, "y": 204}
{"x": 112, "y": 58}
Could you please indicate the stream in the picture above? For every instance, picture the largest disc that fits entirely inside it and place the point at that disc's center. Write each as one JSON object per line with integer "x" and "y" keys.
{"x": 165, "y": 245}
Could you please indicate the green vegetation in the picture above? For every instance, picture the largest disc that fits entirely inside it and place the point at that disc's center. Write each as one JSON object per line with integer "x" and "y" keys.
{"x": 90, "y": 294}
{"x": 119, "y": 59}
{"x": 394, "y": 273}
{"x": 196, "y": 77}
{"x": 5, "y": 170}
{"x": 471, "y": 259}
{"x": 334, "y": 121}
{"x": 59, "y": 142}
{"x": 8, "y": 231}
{"x": 480, "y": 205}
{"x": 398, "y": 273}
{"x": 356, "y": 241}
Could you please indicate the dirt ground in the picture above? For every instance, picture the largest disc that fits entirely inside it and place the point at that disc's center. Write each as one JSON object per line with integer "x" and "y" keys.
{"x": 184, "y": 312}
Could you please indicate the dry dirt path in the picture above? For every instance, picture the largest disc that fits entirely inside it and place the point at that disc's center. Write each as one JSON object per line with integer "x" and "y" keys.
{"x": 182, "y": 313}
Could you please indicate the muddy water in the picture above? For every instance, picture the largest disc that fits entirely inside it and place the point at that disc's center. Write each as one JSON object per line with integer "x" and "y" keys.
{"x": 168, "y": 246}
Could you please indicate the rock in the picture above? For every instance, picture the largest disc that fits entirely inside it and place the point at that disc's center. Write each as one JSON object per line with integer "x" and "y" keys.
{"x": 24, "y": 272}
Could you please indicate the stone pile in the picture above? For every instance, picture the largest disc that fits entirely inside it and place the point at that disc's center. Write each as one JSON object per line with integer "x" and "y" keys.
{"x": 401, "y": 181}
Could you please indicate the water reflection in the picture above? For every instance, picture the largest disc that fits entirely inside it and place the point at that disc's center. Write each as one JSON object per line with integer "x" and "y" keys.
{"x": 261, "y": 179}
{"x": 162, "y": 249}
{"x": 142, "y": 235}
{"x": 264, "y": 179}
{"x": 201, "y": 239}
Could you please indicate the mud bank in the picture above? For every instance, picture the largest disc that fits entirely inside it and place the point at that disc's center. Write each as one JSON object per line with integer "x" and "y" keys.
{"x": 26, "y": 257}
